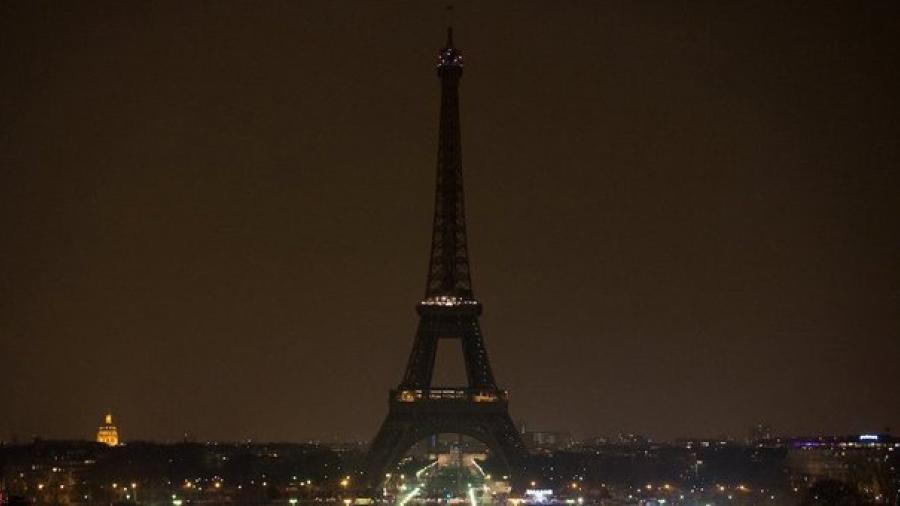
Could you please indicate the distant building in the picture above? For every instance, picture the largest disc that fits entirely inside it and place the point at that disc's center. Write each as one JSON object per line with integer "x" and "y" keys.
{"x": 868, "y": 461}
{"x": 547, "y": 440}
{"x": 596, "y": 441}
{"x": 627, "y": 438}
{"x": 107, "y": 433}
{"x": 759, "y": 433}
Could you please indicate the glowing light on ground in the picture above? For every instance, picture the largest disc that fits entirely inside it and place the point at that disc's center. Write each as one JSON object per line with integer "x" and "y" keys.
{"x": 426, "y": 468}
{"x": 409, "y": 496}
{"x": 480, "y": 470}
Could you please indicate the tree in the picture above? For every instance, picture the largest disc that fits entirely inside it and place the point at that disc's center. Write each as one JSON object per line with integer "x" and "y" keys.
{"x": 832, "y": 493}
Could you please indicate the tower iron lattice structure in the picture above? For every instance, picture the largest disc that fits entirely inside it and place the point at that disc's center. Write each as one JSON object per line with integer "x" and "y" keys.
{"x": 449, "y": 310}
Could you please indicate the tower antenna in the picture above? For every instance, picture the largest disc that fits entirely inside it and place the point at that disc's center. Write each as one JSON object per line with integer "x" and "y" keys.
{"x": 448, "y": 22}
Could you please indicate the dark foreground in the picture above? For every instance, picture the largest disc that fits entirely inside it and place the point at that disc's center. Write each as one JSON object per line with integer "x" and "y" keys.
{"x": 829, "y": 470}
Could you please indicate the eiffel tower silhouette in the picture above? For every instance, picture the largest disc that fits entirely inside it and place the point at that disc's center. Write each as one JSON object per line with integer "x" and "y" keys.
{"x": 418, "y": 409}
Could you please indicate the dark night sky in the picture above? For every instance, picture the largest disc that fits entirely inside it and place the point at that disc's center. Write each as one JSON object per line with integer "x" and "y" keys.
{"x": 683, "y": 216}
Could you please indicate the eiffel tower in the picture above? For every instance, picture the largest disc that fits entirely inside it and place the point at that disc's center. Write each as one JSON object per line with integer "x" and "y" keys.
{"x": 418, "y": 409}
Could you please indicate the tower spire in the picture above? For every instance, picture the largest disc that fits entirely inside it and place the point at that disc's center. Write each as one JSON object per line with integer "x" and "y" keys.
{"x": 449, "y": 281}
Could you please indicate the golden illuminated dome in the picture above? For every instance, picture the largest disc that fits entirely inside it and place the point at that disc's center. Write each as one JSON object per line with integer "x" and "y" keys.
{"x": 107, "y": 433}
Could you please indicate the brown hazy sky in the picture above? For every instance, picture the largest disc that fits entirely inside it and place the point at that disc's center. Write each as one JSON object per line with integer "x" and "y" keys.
{"x": 683, "y": 216}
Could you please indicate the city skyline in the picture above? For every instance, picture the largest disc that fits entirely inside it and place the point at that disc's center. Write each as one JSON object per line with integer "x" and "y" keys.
{"x": 682, "y": 222}
{"x": 748, "y": 436}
